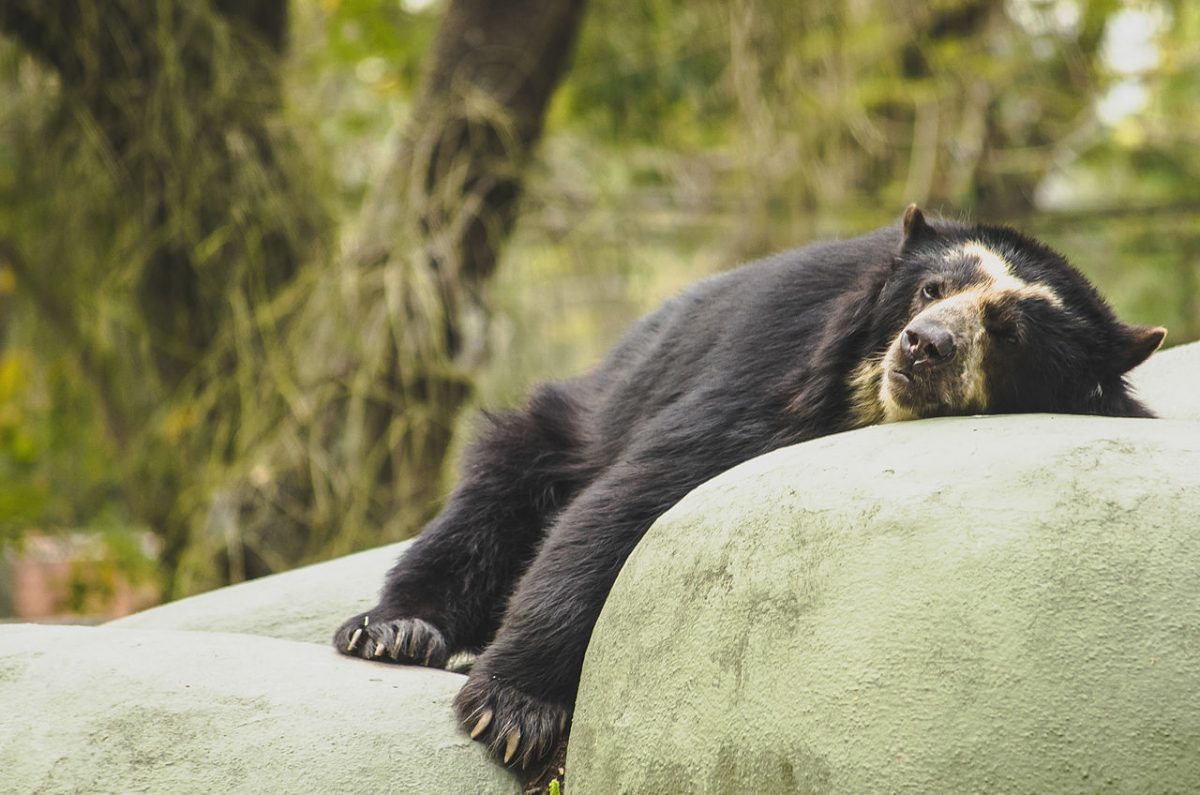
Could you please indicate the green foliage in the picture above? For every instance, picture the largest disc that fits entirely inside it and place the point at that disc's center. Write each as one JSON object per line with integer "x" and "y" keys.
{"x": 23, "y": 496}
{"x": 56, "y": 466}
{"x": 355, "y": 69}
{"x": 380, "y": 39}
{"x": 645, "y": 71}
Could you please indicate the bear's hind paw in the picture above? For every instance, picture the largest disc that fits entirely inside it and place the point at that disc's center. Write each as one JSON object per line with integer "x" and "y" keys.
{"x": 518, "y": 730}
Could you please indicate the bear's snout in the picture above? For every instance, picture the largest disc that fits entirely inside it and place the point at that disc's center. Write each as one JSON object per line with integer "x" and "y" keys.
{"x": 926, "y": 344}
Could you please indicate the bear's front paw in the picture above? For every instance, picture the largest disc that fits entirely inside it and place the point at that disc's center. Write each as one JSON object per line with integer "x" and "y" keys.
{"x": 410, "y": 641}
{"x": 517, "y": 729}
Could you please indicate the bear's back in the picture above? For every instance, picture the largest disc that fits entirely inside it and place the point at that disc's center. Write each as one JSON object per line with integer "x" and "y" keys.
{"x": 733, "y": 332}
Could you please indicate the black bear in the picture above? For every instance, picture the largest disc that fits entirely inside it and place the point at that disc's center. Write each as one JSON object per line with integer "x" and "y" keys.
{"x": 921, "y": 319}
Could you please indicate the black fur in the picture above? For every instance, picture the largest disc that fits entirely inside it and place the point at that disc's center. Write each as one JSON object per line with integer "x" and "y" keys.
{"x": 553, "y": 498}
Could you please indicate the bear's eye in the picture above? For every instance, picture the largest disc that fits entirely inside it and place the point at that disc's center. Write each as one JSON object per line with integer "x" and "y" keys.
{"x": 932, "y": 291}
{"x": 1001, "y": 321}
{"x": 1005, "y": 332}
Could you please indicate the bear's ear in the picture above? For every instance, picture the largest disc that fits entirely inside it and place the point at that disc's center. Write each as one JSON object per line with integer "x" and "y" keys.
{"x": 1135, "y": 344}
{"x": 915, "y": 228}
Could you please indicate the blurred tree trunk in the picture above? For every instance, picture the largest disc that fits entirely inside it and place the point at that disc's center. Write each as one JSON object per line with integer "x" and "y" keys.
{"x": 183, "y": 95}
{"x": 458, "y": 171}
{"x": 435, "y": 224}
{"x": 180, "y": 99}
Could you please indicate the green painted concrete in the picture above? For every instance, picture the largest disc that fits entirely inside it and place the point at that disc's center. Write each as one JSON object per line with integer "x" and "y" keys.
{"x": 172, "y": 701}
{"x": 109, "y": 710}
{"x": 1002, "y": 605}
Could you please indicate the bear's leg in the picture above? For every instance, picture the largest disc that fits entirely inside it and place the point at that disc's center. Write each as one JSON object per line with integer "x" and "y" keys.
{"x": 447, "y": 593}
{"x": 521, "y": 691}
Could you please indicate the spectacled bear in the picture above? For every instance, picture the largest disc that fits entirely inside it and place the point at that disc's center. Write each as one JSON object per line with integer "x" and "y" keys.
{"x": 921, "y": 319}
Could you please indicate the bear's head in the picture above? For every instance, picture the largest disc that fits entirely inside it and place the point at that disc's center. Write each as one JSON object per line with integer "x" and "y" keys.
{"x": 983, "y": 320}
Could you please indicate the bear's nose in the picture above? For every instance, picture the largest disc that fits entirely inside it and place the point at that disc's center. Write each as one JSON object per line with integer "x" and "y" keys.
{"x": 927, "y": 343}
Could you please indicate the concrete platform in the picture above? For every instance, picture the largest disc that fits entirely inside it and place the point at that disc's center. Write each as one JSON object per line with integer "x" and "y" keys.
{"x": 1000, "y": 605}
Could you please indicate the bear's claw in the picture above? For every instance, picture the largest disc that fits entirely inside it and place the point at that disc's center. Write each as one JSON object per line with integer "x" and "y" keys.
{"x": 516, "y": 728}
{"x": 408, "y": 641}
{"x": 481, "y": 724}
{"x": 510, "y": 747}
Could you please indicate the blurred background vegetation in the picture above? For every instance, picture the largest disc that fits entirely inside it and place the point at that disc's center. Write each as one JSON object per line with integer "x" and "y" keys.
{"x": 257, "y": 259}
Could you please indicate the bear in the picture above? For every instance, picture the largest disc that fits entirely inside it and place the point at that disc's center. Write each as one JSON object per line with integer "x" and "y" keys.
{"x": 924, "y": 318}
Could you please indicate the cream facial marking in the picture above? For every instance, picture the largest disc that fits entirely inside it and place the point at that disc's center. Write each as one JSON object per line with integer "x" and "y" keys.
{"x": 999, "y": 273}
{"x": 868, "y": 393}
{"x": 992, "y": 264}
{"x": 961, "y": 387}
